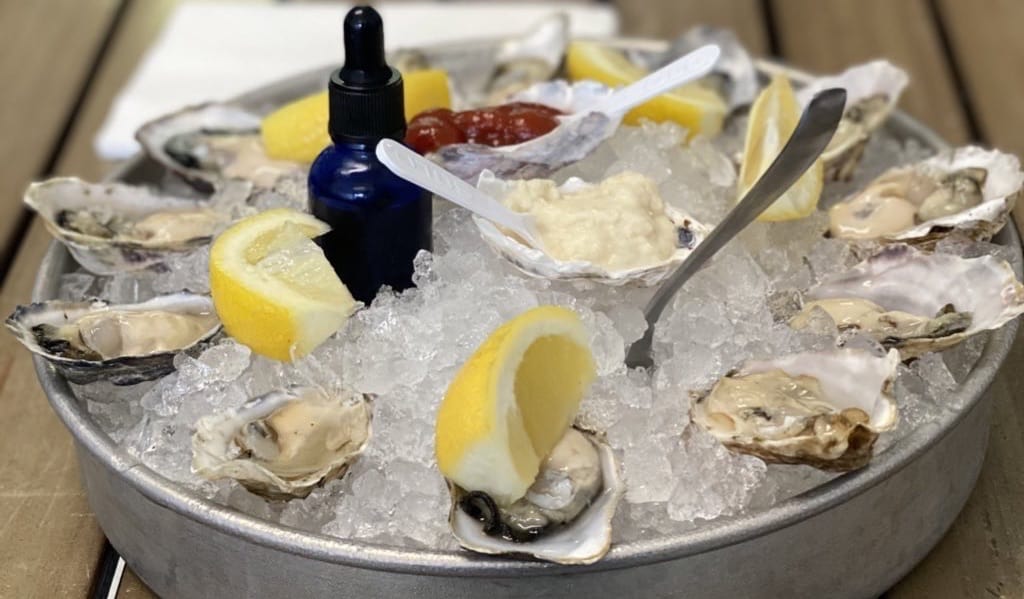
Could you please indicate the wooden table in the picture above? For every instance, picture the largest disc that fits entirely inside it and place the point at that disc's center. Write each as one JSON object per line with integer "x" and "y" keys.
{"x": 63, "y": 61}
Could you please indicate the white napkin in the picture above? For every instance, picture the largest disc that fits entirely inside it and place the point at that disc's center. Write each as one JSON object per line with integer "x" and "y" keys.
{"x": 216, "y": 50}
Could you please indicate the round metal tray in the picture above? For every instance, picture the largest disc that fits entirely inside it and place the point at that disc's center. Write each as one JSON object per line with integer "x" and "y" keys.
{"x": 854, "y": 536}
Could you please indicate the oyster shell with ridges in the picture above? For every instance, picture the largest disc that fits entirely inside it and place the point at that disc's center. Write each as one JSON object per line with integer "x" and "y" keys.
{"x": 209, "y": 143}
{"x": 872, "y": 91}
{"x": 958, "y": 297}
{"x": 115, "y": 227}
{"x": 284, "y": 443}
{"x": 845, "y": 402}
{"x": 123, "y": 343}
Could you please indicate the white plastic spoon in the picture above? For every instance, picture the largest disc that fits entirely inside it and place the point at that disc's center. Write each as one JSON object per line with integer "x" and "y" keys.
{"x": 416, "y": 169}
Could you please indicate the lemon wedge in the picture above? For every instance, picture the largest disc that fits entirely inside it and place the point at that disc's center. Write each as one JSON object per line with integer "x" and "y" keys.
{"x": 697, "y": 108}
{"x": 298, "y": 131}
{"x": 512, "y": 401}
{"x": 773, "y": 117}
{"x": 272, "y": 286}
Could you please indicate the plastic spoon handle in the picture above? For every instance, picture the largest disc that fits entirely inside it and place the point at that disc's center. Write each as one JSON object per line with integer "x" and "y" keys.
{"x": 680, "y": 71}
{"x": 812, "y": 134}
{"x": 430, "y": 176}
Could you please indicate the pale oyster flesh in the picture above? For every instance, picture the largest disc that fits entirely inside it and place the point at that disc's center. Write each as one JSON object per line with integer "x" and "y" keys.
{"x": 109, "y": 334}
{"x": 821, "y": 409}
{"x": 113, "y": 227}
{"x": 569, "y": 479}
{"x": 209, "y": 143}
{"x": 282, "y": 444}
{"x": 125, "y": 343}
{"x": 155, "y": 229}
{"x": 565, "y": 516}
{"x": 890, "y": 327}
{"x": 970, "y": 191}
{"x": 902, "y": 199}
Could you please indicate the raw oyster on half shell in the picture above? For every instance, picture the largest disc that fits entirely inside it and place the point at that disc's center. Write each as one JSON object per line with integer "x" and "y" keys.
{"x": 821, "y": 409}
{"x": 969, "y": 191}
{"x": 123, "y": 343}
{"x": 872, "y": 91}
{"x": 282, "y": 444}
{"x": 918, "y": 302}
{"x": 115, "y": 227}
{"x": 565, "y": 516}
{"x": 210, "y": 143}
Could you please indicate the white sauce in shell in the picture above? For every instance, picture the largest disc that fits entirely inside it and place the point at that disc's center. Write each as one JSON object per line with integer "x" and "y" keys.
{"x": 619, "y": 223}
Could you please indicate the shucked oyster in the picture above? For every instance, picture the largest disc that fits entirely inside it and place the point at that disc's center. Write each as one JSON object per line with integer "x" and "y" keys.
{"x": 209, "y": 143}
{"x": 872, "y": 91}
{"x": 917, "y": 302}
{"x": 125, "y": 344}
{"x": 970, "y": 191}
{"x": 564, "y": 517}
{"x": 489, "y": 78}
{"x": 535, "y": 262}
{"x": 821, "y": 409}
{"x": 113, "y": 227}
{"x": 282, "y": 444}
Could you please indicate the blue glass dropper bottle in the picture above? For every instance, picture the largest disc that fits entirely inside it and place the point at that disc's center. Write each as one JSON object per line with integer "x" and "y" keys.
{"x": 378, "y": 220}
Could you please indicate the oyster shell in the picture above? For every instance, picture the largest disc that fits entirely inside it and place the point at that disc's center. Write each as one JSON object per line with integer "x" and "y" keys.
{"x": 489, "y": 78}
{"x": 872, "y": 91}
{"x": 821, "y": 409}
{"x": 282, "y": 444}
{"x": 734, "y": 76}
{"x": 574, "y": 138}
{"x": 209, "y": 143}
{"x": 970, "y": 191}
{"x": 565, "y": 516}
{"x": 113, "y": 227}
{"x": 123, "y": 343}
{"x": 535, "y": 262}
{"x": 917, "y": 302}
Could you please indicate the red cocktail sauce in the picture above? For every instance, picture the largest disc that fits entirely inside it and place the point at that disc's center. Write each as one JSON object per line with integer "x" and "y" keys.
{"x": 493, "y": 126}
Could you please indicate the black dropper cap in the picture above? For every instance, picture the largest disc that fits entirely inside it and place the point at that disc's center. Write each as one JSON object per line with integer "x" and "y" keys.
{"x": 366, "y": 98}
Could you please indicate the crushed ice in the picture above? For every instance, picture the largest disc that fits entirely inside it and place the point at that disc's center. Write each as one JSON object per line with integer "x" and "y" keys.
{"x": 405, "y": 348}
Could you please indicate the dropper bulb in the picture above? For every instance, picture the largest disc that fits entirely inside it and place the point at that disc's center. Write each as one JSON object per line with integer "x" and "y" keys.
{"x": 364, "y": 48}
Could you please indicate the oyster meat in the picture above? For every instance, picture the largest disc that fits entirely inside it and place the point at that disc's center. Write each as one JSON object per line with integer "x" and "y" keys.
{"x": 127, "y": 344}
{"x": 282, "y": 444}
{"x": 114, "y": 227}
{"x": 970, "y": 191}
{"x": 872, "y": 92}
{"x": 489, "y": 78}
{"x": 821, "y": 409}
{"x": 564, "y": 517}
{"x": 535, "y": 262}
{"x": 209, "y": 143}
{"x": 917, "y": 302}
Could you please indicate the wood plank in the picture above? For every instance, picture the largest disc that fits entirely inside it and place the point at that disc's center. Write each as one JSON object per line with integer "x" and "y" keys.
{"x": 827, "y": 37}
{"x": 988, "y": 52}
{"x": 978, "y": 557}
{"x": 985, "y": 40}
{"x": 47, "y": 52}
{"x": 50, "y": 539}
{"x": 668, "y": 19}
{"x": 56, "y": 498}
